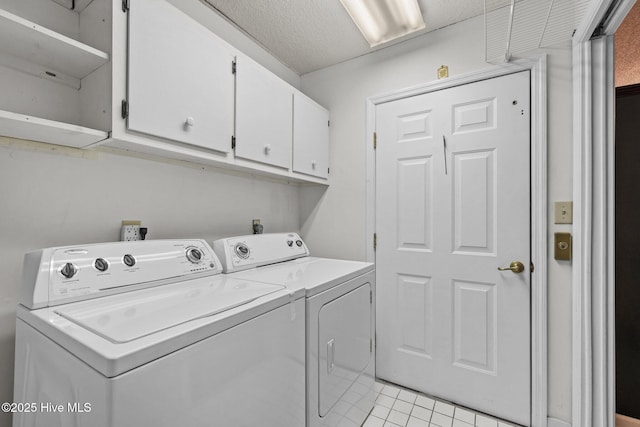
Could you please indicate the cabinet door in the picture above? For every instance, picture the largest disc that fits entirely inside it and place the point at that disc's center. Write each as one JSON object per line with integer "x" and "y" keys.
{"x": 263, "y": 115}
{"x": 310, "y": 137}
{"x": 180, "y": 81}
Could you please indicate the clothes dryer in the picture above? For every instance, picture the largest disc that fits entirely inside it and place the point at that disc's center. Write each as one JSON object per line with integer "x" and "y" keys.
{"x": 340, "y": 301}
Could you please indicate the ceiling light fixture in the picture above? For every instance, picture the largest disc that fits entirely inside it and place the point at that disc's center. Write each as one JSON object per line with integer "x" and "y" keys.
{"x": 381, "y": 21}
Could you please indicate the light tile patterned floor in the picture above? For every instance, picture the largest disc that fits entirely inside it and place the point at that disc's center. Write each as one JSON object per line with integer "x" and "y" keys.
{"x": 396, "y": 406}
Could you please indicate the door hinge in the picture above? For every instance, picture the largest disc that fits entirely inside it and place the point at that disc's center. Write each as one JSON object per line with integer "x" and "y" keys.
{"x": 370, "y": 345}
{"x": 375, "y": 241}
{"x": 329, "y": 123}
{"x": 125, "y": 109}
{"x": 234, "y": 67}
{"x": 233, "y": 142}
{"x": 370, "y": 297}
{"x": 125, "y": 6}
{"x": 328, "y": 171}
{"x": 375, "y": 140}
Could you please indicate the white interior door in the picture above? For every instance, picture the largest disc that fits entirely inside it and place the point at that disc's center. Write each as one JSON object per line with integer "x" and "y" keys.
{"x": 453, "y": 205}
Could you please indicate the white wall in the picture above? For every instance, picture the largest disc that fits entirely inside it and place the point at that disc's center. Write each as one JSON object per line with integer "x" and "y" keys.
{"x": 338, "y": 214}
{"x": 54, "y": 196}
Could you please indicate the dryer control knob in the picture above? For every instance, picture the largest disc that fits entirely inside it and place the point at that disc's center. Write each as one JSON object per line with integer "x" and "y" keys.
{"x": 68, "y": 270}
{"x": 242, "y": 250}
{"x": 194, "y": 255}
{"x": 299, "y": 243}
{"x": 290, "y": 243}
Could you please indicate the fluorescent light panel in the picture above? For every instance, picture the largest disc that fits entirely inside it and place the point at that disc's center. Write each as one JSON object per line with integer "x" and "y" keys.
{"x": 381, "y": 21}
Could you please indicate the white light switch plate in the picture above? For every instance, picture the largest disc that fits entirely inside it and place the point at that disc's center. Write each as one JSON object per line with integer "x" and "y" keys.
{"x": 563, "y": 212}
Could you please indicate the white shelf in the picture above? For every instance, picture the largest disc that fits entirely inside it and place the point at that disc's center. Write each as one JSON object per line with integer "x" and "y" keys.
{"x": 36, "y": 129}
{"x": 56, "y": 52}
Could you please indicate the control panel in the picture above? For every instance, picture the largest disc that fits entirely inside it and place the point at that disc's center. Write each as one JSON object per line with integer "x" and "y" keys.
{"x": 255, "y": 250}
{"x": 57, "y": 275}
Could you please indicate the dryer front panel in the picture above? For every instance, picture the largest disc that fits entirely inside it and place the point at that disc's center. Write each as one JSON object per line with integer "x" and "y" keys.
{"x": 344, "y": 344}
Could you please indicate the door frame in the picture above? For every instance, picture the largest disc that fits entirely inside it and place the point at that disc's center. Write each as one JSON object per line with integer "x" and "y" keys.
{"x": 593, "y": 281}
{"x": 538, "y": 67}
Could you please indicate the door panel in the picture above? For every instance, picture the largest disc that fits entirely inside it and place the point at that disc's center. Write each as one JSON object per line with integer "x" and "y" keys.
{"x": 453, "y": 205}
{"x": 264, "y": 115}
{"x": 173, "y": 91}
{"x": 344, "y": 344}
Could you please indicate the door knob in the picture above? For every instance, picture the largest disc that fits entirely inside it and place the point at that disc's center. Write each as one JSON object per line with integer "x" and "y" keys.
{"x": 515, "y": 266}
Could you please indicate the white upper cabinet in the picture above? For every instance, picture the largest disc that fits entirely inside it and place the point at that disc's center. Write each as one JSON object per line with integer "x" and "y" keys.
{"x": 264, "y": 111}
{"x": 310, "y": 137}
{"x": 180, "y": 80}
{"x": 153, "y": 77}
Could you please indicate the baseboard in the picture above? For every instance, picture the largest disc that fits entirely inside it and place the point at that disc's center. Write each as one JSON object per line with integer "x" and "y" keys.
{"x": 624, "y": 421}
{"x": 554, "y": 422}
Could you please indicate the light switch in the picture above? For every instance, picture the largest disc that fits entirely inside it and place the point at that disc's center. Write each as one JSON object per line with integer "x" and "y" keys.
{"x": 563, "y": 212}
{"x": 562, "y": 246}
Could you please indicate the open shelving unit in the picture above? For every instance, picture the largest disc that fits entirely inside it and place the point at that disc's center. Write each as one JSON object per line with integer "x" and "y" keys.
{"x": 28, "y": 48}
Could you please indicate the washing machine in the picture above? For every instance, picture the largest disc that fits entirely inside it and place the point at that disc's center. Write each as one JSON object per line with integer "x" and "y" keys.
{"x": 340, "y": 323}
{"x": 150, "y": 333}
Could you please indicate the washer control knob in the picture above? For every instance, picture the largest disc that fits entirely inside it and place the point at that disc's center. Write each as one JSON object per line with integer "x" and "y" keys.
{"x": 194, "y": 255}
{"x": 290, "y": 243}
{"x": 299, "y": 243}
{"x": 129, "y": 260}
{"x": 242, "y": 250}
{"x": 68, "y": 270}
{"x": 101, "y": 264}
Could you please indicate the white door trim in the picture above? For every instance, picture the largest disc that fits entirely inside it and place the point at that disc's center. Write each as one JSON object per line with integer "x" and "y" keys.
{"x": 593, "y": 281}
{"x": 537, "y": 65}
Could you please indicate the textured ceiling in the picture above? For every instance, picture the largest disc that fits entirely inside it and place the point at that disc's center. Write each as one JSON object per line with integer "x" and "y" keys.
{"x": 308, "y": 35}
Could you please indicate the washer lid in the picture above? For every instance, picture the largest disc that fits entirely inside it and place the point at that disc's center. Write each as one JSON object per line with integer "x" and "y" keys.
{"x": 130, "y": 316}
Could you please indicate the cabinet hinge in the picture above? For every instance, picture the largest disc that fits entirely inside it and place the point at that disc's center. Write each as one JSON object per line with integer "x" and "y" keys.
{"x": 370, "y": 345}
{"x": 375, "y": 140}
{"x": 375, "y": 241}
{"x": 125, "y": 109}
{"x": 125, "y": 6}
{"x": 328, "y": 170}
{"x": 234, "y": 67}
{"x": 233, "y": 142}
{"x": 371, "y": 297}
{"x": 329, "y": 123}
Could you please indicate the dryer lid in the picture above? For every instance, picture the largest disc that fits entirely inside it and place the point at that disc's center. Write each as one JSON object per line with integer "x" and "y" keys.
{"x": 127, "y": 317}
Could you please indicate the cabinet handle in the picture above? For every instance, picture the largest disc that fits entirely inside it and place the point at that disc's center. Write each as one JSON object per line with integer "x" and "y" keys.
{"x": 267, "y": 149}
{"x": 313, "y": 164}
{"x": 190, "y": 122}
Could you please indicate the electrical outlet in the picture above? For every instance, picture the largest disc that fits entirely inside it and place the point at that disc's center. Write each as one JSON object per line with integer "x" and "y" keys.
{"x": 130, "y": 230}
